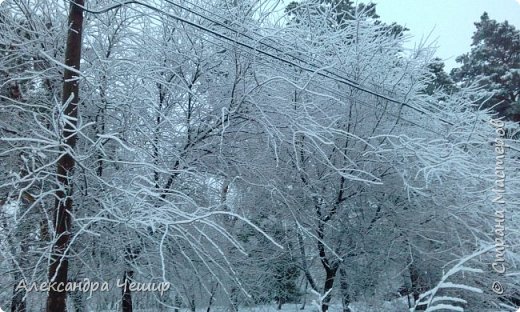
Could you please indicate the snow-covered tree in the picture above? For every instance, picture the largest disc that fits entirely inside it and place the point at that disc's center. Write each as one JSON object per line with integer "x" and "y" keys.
{"x": 494, "y": 62}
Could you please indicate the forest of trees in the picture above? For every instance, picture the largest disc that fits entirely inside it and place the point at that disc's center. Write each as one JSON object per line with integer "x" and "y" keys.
{"x": 250, "y": 155}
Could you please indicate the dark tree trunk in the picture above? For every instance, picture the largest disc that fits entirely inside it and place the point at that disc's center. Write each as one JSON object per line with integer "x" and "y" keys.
{"x": 18, "y": 301}
{"x": 128, "y": 275}
{"x": 192, "y": 304}
{"x": 331, "y": 267}
{"x": 126, "y": 303}
{"x": 233, "y": 300}
{"x": 414, "y": 277}
{"x": 58, "y": 269}
{"x": 211, "y": 297}
{"x": 409, "y": 301}
{"x": 416, "y": 287}
{"x": 330, "y": 274}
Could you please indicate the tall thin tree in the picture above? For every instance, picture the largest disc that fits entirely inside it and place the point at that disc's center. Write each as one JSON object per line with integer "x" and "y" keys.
{"x": 58, "y": 270}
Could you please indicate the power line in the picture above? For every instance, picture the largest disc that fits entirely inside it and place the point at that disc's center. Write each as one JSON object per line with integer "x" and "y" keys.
{"x": 275, "y": 48}
{"x": 319, "y": 86}
{"x": 317, "y": 71}
{"x": 256, "y": 40}
{"x": 317, "y": 68}
{"x": 333, "y": 92}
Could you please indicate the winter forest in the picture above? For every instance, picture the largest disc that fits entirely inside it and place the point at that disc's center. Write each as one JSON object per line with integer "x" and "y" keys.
{"x": 253, "y": 156}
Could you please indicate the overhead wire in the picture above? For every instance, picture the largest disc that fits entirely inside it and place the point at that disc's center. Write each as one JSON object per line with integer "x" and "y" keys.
{"x": 317, "y": 71}
{"x": 258, "y": 40}
{"x": 261, "y": 41}
{"x": 337, "y": 95}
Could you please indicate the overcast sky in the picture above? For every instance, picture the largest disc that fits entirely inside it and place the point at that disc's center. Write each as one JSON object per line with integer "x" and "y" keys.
{"x": 451, "y": 20}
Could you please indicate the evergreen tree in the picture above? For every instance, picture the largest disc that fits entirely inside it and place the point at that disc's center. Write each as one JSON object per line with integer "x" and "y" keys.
{"x": 343, "y": 11}
{"x": 438, "y": 78}
{"x": 494, "y": 62}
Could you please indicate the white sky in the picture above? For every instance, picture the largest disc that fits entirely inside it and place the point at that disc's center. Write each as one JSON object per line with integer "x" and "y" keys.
{"x": 451, "y": 20}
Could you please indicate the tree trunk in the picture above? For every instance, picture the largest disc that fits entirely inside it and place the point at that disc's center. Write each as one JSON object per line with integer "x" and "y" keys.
{"x": 126, "y": 298}
{"x": 330, "y": 274}
{"x": 331, "y": 267}
{"x": 416, "y": 286}
{"x": 192, "y": 303}
{"x": 414, "y": 278}
{"x": 233, "y": 300}
{"x": 126, "y": 303}
{"x": 18, "y": 301}
{"x": 58, "y": 269}
{"x": 280, "y": 303}
{"x": 211, "y": 297}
